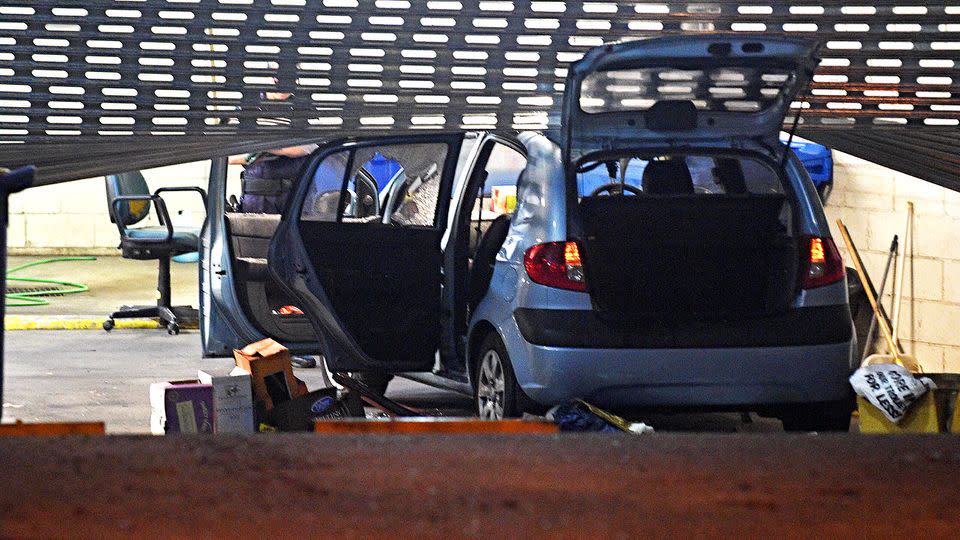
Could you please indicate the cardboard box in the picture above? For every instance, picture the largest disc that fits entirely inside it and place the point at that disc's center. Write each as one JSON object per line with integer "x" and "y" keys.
{"x": 181, "y": 407}
{"x": 301, "y": 413}
{"x": 268, "y": 364}
{"x": 232, "y": 399}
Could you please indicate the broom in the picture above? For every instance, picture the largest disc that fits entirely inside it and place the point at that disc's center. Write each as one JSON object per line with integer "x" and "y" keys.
{"x": 896, "y": 356}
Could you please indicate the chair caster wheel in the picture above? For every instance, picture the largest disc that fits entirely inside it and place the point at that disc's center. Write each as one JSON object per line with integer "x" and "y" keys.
{"x": 173, "y": 329}
{"x": 108, "y": 325}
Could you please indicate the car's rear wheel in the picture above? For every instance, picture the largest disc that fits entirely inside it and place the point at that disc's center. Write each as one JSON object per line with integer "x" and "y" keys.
{"x": 831, "y": 416}
{"x": 495, "y": 392}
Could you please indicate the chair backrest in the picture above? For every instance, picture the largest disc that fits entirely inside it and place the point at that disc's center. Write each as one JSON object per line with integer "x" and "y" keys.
{"x": 128, "y": 183}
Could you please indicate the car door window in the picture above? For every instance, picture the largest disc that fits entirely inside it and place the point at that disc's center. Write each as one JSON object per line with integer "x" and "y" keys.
{"x": 323, "y": 197}
{"x": 411, "y": 196}
{"x": 392, "y": 184}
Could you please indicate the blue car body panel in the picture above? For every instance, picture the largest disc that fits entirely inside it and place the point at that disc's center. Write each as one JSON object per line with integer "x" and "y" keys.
{"x": 624, "y": 378}
{"x": 817, "y": 160}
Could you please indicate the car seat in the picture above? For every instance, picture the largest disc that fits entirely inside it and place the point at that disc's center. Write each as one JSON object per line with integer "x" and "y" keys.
{"x": 729, "y": 174}
{"x": 667, "y": 177}
{"x": 485, "y": 258}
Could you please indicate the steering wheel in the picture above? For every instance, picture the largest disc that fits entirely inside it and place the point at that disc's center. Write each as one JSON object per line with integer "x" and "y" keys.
{"x": 616, "y": 188}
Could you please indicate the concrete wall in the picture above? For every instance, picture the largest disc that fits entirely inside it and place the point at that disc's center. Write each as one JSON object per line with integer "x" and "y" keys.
{"x": 872, "y": 202}
{"x": 72, "y": 218}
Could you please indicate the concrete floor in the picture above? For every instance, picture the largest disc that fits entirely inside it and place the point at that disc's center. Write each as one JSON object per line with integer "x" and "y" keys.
{"x": 57, "y": 376}
{"x": 89, "y": 375}
{"x": 113, "y": 281}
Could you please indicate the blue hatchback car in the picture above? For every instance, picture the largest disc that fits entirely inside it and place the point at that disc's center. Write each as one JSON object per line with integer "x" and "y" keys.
{"x": 663, "y": 250}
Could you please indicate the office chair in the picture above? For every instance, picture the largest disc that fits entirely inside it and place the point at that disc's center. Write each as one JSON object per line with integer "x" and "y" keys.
{"x": 129, "y": 201}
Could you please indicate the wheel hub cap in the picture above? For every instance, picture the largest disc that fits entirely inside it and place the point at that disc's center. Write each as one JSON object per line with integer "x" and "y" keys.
{"x": 490, "y": 387}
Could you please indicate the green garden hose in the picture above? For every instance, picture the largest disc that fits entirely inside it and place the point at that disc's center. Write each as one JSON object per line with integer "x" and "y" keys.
{"x": 31, "y": 298}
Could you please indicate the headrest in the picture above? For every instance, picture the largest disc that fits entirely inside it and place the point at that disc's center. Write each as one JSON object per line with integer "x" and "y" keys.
{"x": 729, "y": 174}
{"x": 667, "y": 177}
{"x": 128, "y": 183}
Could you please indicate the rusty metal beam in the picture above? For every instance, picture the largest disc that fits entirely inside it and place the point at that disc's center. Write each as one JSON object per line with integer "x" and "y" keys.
{"x": 442, "y": 486}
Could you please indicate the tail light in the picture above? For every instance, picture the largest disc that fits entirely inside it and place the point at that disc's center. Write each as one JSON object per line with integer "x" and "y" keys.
{"x": 556, "y": 264}
{"x": 820, "y": 263}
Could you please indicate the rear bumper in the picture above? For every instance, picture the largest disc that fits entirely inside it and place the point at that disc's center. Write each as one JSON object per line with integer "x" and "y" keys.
{"x": 666, "y": 369}
{"x": 624, "y": 378}
{"x": 584, "y": 329}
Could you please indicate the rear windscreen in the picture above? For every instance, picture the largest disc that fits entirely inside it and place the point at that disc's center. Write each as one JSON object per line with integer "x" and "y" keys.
{"x": 677, "y": 175}
{"x": 734, "y": 89}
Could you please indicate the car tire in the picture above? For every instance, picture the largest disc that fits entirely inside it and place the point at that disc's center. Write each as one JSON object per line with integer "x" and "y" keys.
{"x": 496, "y": 392}
{"x": 821, "y": 417}
{"x": 375, "y": 380}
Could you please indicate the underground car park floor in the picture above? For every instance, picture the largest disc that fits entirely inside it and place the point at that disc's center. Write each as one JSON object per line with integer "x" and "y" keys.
{"x": 71, "y": 376}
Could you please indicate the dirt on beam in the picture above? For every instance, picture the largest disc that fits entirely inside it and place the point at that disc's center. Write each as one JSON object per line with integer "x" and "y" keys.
{"x": 442, "y": 486}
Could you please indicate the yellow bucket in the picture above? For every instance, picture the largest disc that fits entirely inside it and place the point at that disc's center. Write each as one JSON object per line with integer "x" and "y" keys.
{"x": 935, "y": 412}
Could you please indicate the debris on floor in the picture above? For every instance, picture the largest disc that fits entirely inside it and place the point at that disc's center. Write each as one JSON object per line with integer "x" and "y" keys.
{"x": 232, "y": 399}
{"x": 268, "y": 363}
{"x": 181, "y": 407}
{"x": 300, "y": 413}
{"x": 259, "y": 394}
{"x": 578, "y": 415}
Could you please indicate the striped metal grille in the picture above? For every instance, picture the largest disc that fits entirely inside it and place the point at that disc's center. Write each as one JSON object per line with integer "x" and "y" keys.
{"x": 166, "y": 80}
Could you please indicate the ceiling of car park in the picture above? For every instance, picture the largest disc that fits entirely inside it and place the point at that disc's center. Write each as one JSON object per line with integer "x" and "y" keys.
{"x": 100, "y": 85}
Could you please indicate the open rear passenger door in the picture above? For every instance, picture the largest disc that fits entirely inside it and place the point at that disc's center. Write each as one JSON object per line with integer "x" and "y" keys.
{"x": 361, "y": 252}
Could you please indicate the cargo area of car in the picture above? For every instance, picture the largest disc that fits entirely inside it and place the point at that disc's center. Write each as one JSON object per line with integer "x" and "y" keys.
{"x": 689, "y": 248}
{"x": 713, "y": 256}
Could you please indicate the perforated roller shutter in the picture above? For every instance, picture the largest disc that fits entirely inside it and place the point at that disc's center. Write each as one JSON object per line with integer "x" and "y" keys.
{"x": 100, "y": 85}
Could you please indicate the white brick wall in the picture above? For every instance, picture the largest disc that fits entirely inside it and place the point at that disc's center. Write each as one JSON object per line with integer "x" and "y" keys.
{"x": 872, "y": 202}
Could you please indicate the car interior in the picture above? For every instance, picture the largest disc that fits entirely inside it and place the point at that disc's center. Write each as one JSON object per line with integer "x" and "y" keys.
{"x": 483, "y": 223}
{"x": 380, "y": 192}
{"x": 705, "y": 238}
{"x": 269, "y": 307}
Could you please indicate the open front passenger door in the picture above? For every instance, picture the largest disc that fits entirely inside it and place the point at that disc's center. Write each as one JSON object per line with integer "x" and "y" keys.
{"x": 359, "y": 247}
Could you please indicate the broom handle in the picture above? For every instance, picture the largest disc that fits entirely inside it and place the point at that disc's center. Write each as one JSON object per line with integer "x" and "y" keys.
{"x": 891, "y": 256}
{"x": 868, "y": 289}
{"x": 901, "y": 273}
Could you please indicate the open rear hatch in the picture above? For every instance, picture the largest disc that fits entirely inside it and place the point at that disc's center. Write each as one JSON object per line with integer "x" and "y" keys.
{"x": 715, "y": 89}
{"x": 674, "y": 253}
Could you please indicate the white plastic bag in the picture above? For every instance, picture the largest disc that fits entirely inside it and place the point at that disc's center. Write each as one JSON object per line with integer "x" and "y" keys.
{"x": 890, "y": 388}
